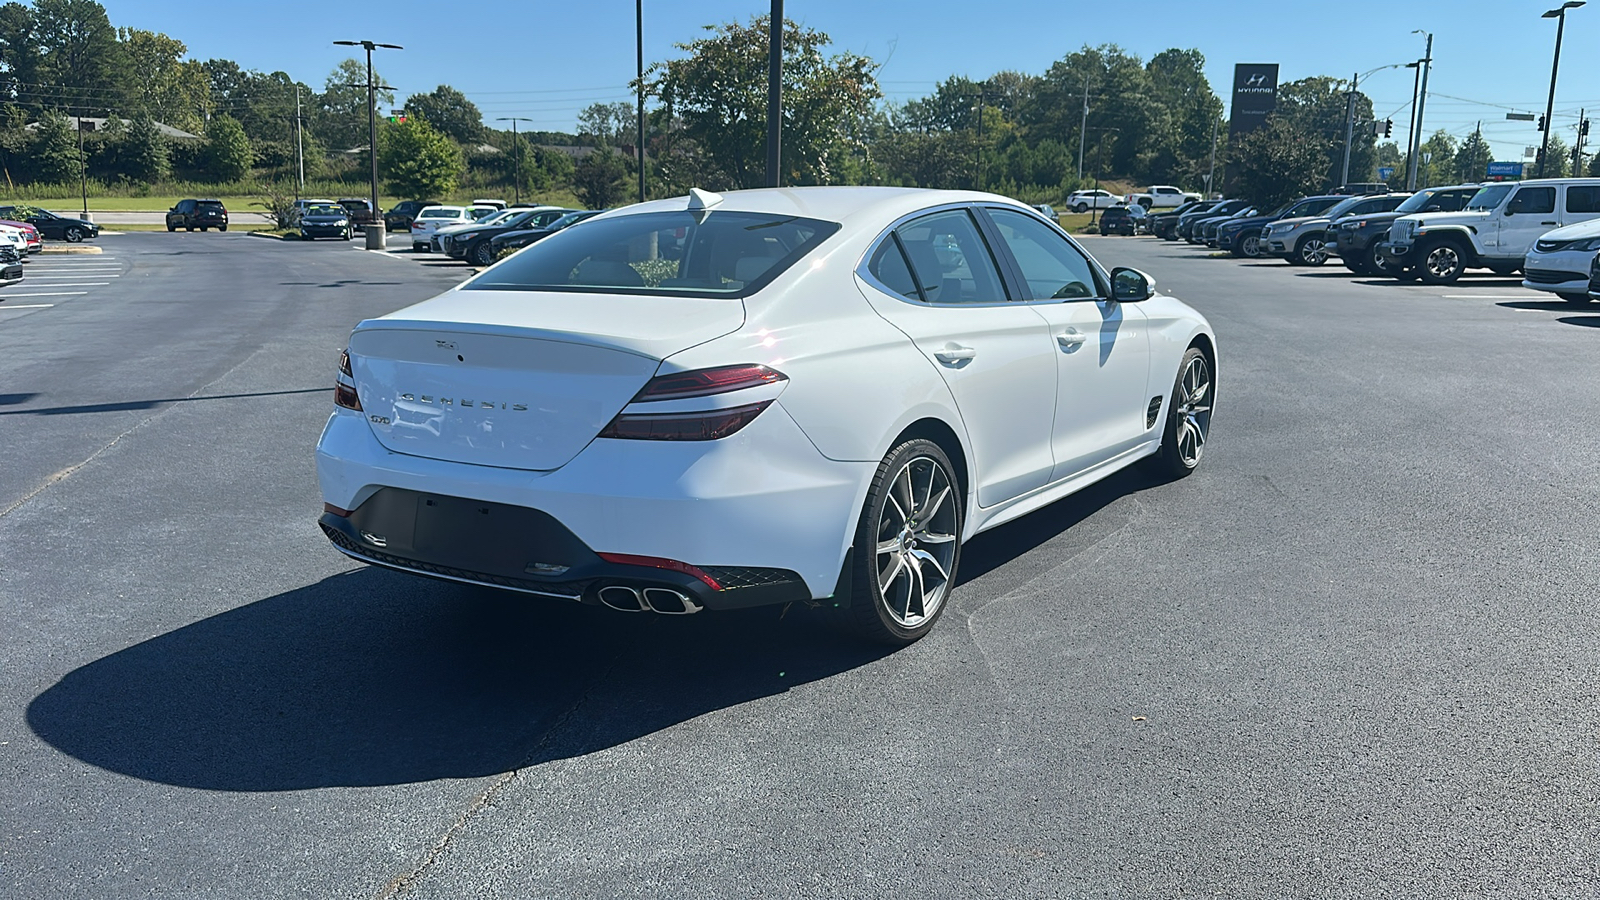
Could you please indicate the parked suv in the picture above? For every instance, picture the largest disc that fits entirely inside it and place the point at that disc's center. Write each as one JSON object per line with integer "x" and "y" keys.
{"x": 1128, "y": 220}
{"x": 201, "y": 214}
{"x": 1083, "y": 201}
{"x": 1164, "y": 224}
{"x": 360, "y": 212}
{"x": 1242, "y": 236}
{"x": 1355, "y": 238}
{"x": 1495, "y": 231}
{"x": 1303, "y": 241}
{"x": 1220, "y": 209}
{"x": 401, "y": 216}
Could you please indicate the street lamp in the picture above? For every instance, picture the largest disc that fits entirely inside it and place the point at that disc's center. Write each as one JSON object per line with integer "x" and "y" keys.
{"x": 1426, "y": 66}
{"x": 1560, "y": 15}
{"x": 1350, "y": 118}
{"x": 638, "y": 33}
{"x": 516, "y": 176}
{"x": 374, "y": 230}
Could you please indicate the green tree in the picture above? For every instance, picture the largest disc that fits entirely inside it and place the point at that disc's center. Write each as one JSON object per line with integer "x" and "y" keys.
{"x": 1472, "y": 159}
{"x": 717, "y": 95}
{"x": 227, "y": 154}
{"x": 340, "y": 112}
{"x": 418, "y": 160}
{"x": 176, "y": 92}
{"x": 145, "y": 156}
{"x": 607, "y": 124}
{"x": 19, "y": 52}
{"x": 1278, "y": 162}
{"x": 1316, "y": 107}
{"x": 54, "y": 151}
{"x": 598, "y": 179}
{"x": 1560, "y": 160}
{"x": 80, "y": 61}
{"x": 449, "y": 111}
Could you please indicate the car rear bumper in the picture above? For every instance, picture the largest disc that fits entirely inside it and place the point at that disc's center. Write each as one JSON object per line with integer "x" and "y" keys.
{"x": 764, "y": 500}
{"x": 11, "y": 272}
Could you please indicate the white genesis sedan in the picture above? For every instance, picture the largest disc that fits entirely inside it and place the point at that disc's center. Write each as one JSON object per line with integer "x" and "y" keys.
{"x": 713, "y": 402}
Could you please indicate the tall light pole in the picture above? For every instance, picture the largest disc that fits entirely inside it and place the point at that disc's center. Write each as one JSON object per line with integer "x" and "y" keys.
{"x": 373, "y": 230}
{"x": 1560, "y": 15}
{"x": 774, "y": 92}
{"x": 516, "y": 173}
{"x": 1350, "y": 118}
{"x": 1426, "y": 62}
{"x": 83, "y": 169}
{"x": 638, "y": 31}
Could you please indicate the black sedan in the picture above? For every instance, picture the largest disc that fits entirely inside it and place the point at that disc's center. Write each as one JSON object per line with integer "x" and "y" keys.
{"x": 325, "y": 221}
{"x": 474, "y": 244}
{"x": 513, "y": 240}
{"x": 51, "y": 226}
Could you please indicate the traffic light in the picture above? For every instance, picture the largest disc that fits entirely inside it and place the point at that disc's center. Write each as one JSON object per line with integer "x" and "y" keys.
{"x": 1541, "y": 123}
{"x": 1583, "y": 129}
{"x": 397, "y": 119}
{"x": 1388, "y": 127}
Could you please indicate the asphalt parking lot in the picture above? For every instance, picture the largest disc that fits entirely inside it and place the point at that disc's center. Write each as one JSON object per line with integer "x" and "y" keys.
{"x": 1353, "y": 656}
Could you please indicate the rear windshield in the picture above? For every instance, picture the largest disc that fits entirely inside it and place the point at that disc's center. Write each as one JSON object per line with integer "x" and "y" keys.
{"x": 209, "y": 204}
{"x": 1489, "y": 197}
{"x": 715, "y": 254}
{"x": 441, "y": 212}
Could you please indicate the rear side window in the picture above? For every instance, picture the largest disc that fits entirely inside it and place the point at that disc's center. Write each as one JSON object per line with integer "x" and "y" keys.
{"x": 889, "y": 266}
{"x": 950, "y": 260}
{"x": 1533, "y": 200}
{"x": 1583, "y": 198}
{"x": 696, "y": 254}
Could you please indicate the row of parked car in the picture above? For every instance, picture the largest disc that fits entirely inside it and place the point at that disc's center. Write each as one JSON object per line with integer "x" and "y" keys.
{"x": 23, "y": 230}
{"x": 480, "y": 234}
{"x": 1546, "y": 229}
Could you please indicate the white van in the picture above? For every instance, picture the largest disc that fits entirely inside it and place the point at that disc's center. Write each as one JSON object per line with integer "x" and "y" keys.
{"x": 1495, "y": 231}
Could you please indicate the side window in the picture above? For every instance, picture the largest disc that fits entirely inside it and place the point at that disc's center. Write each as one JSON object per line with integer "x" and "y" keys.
{"x": 1453, "y": 201}
{"x": 1583, "y": 198}
{"x": 1532, "y": 200}
{"x": 1383, "y": 204}
{"x": 949, "y": 259}
{"x": 1051, "y": 268}
{"x": 888, "y": 265}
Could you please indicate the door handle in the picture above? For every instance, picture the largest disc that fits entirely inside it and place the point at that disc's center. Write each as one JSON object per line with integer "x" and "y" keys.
{"x": 1547, "y": 223}
{"x": 1072, "y": 337}
{"x": 954, "y": 353}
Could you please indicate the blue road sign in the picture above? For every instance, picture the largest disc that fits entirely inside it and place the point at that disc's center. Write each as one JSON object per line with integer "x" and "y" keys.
{"x": 1384, "y": 172}
{"x": 1505, "y": 169}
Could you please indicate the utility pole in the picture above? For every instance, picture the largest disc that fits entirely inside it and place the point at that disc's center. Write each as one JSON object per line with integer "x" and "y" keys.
{"x": 516, "y": 145}
{"x": 774, "y": 93}
{"x": 1560, "y": 15}
{"x": 638, "y": 21}
{"x": 1349, "y": 130}
{"x": 299, "y": 145}
{"x": 1212, "y": 171}
{"x": 1411, "y": 130}
{"x": 373, "y": 231}
{"x": 1577, "y": 148}
{"x": 83, "y": 169}
{"x": 1083, "y": 129}
{"x": 1422, "y": 103}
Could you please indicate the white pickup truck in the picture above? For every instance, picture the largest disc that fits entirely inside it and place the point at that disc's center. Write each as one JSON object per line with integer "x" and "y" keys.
{"x": 1161, "y": 196}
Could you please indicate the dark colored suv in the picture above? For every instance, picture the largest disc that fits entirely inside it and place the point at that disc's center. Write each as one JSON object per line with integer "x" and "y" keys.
{"x": 1357, "y": 237}
{"x": 201, "y": 214}
{"x": 1128, "y": 220}
{"x": 404, "y": 213}
{"x": 360, "y": 212}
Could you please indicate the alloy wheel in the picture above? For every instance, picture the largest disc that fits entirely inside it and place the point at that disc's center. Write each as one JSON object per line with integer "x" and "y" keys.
{"x": 1194, "y": 411}
{"x": 1250, "y": 246}
{"x": 1313, "y": 251}
{"x": 1442, "y": 262}
{"x": 916, "y": 542}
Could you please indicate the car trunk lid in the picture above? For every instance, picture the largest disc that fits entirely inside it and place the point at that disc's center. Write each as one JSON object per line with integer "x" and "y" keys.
{"x": 518, "y": 379}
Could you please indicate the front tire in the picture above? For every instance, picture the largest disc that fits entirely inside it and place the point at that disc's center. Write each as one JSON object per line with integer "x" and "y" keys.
{"x": 907, "y": 546}
{"x": 1081, "y": 208}
{"x": 73, "y": 235}
{"x": 1183, "y": 438}
{"x": 483, "y": 254}
{"x": 1311, "y": 251}
{"x": 1442, "y": 263}
{"x": 1250, "y": 246}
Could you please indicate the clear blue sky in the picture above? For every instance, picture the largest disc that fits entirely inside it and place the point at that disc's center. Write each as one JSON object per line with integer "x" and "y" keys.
{"x": 547, "y": 60}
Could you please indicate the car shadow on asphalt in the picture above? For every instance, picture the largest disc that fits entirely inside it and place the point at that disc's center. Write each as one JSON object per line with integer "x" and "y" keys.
{"x": 372, "y": 677}
{"x": 1585, "y": 321}
{"x": 1544, "y": 305}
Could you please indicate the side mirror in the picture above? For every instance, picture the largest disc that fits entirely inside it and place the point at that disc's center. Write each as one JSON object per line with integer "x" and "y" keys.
{"x": 1130, "y": 285}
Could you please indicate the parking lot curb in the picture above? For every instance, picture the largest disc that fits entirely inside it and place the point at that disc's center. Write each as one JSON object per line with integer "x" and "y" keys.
{"x": 272, "y": 237}
{"x": 77, "y": 248}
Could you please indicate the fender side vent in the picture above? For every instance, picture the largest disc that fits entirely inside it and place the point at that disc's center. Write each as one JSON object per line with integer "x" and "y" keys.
{"x": 1152, "y": 413}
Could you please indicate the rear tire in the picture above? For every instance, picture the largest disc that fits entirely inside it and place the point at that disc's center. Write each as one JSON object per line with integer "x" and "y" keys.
{"x": 171, "y": 227}
{"x": 1183, "y": 437}
{"x": 222, "y": 228}
{"x": 1081, "y": 208}
{"x": 483, "y": 254}
{"x": 907, "y": 546}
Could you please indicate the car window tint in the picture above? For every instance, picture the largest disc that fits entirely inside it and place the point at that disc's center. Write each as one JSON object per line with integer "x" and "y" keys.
{"x": 1583, "y": 198}
{"x": 951, "y": 262}
{"x": 1534, "y": 200}
{"x": 1051, "y": 268}
{"x": 889, "y": 266}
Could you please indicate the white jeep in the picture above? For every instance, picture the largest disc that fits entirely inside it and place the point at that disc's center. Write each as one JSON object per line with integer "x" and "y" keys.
{"x": 1495, "y": 231}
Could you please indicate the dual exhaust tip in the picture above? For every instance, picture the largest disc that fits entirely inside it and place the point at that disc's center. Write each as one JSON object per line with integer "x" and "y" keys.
{"x": 662, "y": 601}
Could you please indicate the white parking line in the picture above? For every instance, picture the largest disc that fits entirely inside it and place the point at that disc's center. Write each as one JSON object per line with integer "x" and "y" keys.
{"x": 54, "y": 294}
{"x": 28, "y": 306}
{"x": 79, "y": 284}
{"x": 1495, "y": 296}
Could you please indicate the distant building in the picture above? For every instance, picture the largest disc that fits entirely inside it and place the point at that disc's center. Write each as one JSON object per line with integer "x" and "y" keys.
{"x": 90, "y": 124}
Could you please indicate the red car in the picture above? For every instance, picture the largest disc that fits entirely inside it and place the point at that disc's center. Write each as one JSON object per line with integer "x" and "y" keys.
{"x": 34, "y": 241}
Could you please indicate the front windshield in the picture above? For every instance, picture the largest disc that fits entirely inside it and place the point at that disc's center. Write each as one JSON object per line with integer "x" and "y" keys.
{"x": 568, "y": 219}
{"x": 1415, "y": 203}
{"x": 694, "y": 254}
{"x": 1489, "y": 197}
{"x": 1342, "y": 207}
{"x": 325, "y": 211}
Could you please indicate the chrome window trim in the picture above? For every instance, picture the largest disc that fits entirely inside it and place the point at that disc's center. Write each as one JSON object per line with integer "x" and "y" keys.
{"x": 970, "y": 206}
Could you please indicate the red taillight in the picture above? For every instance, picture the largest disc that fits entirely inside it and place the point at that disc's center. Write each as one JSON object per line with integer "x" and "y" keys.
{"x": 344, "y": 386}
{"x": 657, "y": 562}
{"x": 336, "y": 510}
{"x": 709, "y": 425}
{"x": 705, "y": 382}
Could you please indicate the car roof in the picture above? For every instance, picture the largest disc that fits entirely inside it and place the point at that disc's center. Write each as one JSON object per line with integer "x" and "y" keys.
{"x": 830, "y": 203}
